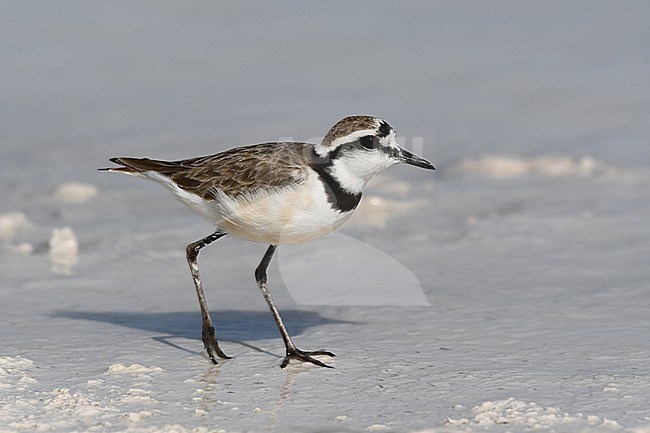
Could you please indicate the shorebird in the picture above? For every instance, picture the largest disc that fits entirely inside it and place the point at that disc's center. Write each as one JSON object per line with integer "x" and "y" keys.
{"x": 277, "y": 193}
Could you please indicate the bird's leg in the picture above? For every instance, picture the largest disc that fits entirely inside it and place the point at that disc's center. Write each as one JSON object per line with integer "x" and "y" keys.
{"x": 292, "y": 352}
{"x": 209, "y": 338}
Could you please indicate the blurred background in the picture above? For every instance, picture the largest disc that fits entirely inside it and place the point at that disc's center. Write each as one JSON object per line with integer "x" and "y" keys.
{"x": 83, "y": 81}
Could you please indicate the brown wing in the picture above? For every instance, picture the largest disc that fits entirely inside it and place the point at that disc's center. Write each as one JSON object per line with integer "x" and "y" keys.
{"x": 236, "y": 171}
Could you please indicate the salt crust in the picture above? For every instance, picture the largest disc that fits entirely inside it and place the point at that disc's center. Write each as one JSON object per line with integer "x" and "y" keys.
{"x": 11, "y": 223}
{"x": 132, "y": 369}
{"x": 27, "y": 407}
{"x": 75, "y": 192}
{"x": 64, "y": 250}
{"x": 529, "y": 415}
{"x": 552, "y": 166}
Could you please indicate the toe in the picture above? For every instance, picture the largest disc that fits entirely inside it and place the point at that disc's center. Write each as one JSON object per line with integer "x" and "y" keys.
{"x": 306, "y": 356}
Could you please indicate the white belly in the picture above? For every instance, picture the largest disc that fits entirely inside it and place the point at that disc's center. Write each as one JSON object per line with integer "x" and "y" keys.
{"x": 282, "y": 216}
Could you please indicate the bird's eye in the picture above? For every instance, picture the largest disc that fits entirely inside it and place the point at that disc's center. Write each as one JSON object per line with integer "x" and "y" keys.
{"x": 369, "y": 142}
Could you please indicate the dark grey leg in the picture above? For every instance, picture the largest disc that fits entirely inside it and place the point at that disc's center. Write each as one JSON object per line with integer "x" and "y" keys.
{"x": 292, "y": 352}
{"x": 209, "y": 338}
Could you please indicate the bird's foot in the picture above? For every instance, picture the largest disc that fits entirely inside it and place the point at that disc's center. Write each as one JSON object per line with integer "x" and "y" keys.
{"x": 212, "y": 345}
{"x": 305, "y": 356}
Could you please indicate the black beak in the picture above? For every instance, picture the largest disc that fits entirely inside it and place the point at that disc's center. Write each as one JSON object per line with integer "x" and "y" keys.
{"x": 408, "y": 158}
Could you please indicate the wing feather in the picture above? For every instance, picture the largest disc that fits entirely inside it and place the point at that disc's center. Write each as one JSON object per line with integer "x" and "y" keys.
{"x": 234, "y": 172}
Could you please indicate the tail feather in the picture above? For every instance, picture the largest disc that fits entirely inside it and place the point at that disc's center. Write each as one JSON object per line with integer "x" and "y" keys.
{"x": 141, "y": 165}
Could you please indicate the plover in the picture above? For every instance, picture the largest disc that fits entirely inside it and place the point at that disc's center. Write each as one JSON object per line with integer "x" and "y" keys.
{"x": 277, "y": 193}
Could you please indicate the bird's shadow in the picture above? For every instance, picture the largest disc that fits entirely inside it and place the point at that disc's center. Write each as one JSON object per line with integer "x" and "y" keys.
{"x": 236, "y": 326}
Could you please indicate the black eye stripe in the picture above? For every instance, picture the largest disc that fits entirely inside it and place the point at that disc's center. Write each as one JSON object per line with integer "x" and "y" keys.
{"x": 367, "y": 142}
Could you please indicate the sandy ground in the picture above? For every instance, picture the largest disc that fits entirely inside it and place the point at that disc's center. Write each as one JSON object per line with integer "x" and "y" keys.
{"x": 508, "y": 291}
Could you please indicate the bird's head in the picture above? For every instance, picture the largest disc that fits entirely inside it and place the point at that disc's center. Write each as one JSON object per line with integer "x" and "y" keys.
{"x": 360, "y": 147}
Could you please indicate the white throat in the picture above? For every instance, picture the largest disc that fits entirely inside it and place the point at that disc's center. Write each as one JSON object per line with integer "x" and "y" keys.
{"x": 355, "y": 171}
